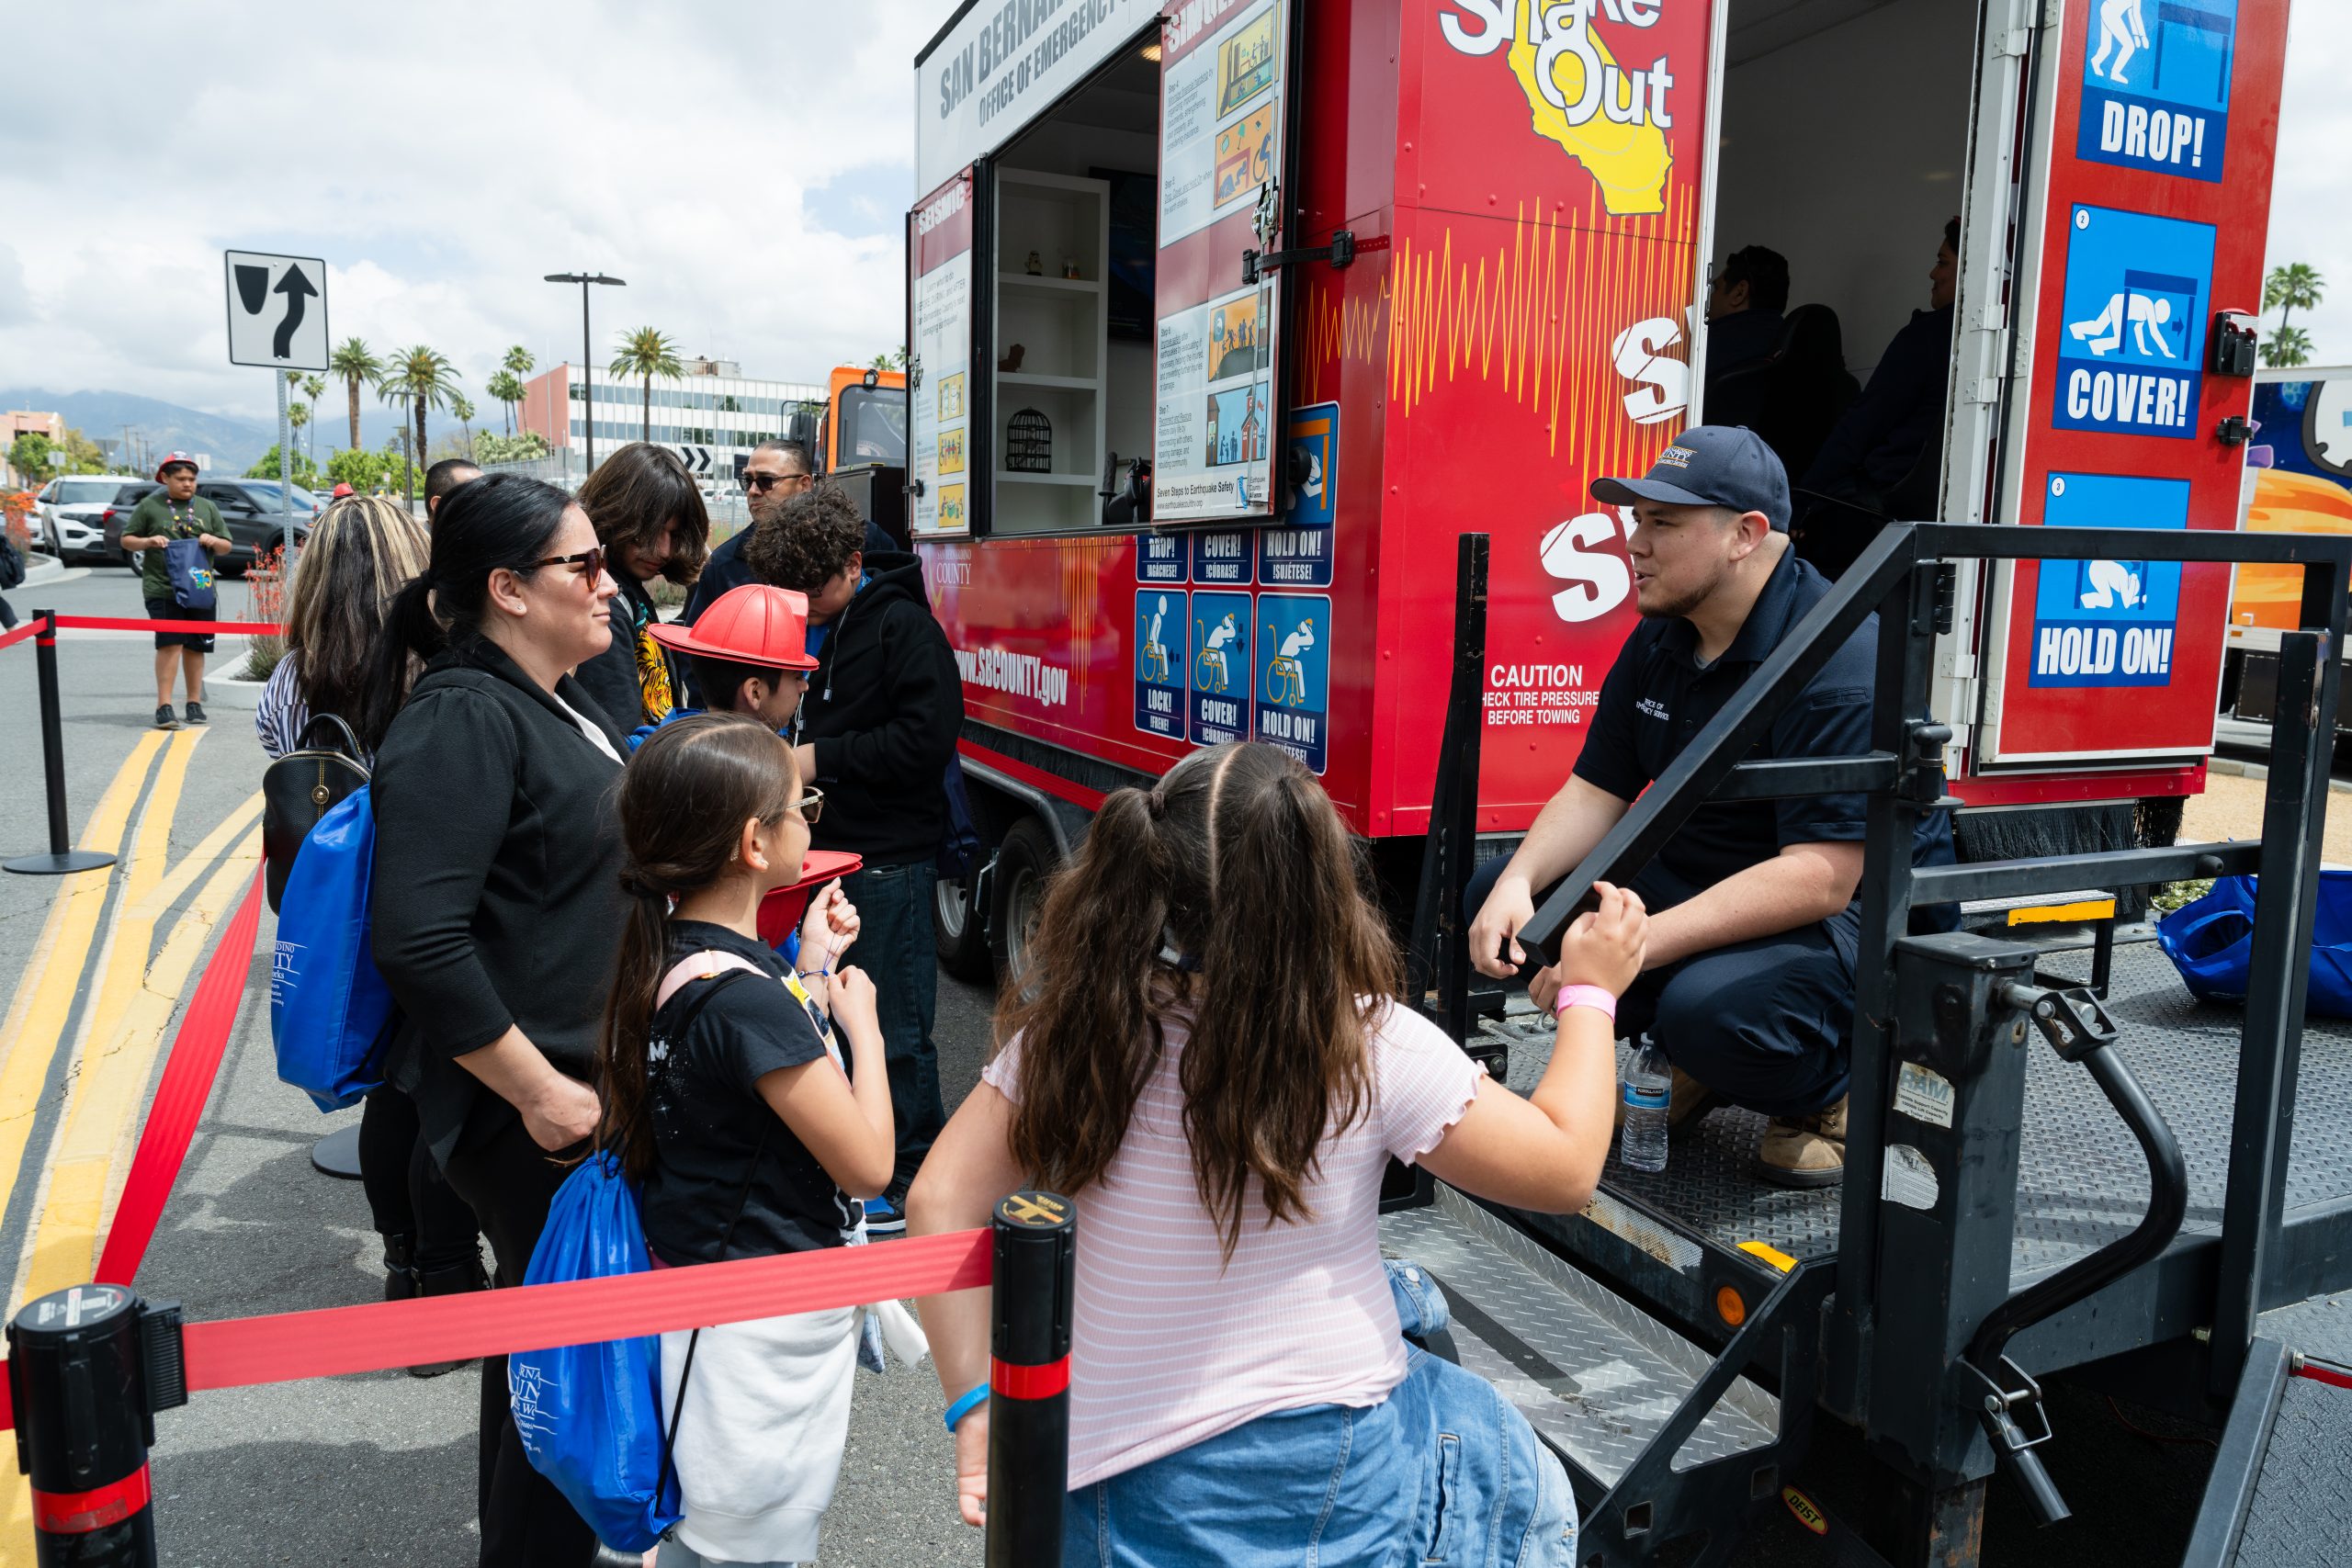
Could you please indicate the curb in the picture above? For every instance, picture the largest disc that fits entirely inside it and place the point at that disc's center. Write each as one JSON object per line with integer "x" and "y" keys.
{"x": 2230, "y": 765}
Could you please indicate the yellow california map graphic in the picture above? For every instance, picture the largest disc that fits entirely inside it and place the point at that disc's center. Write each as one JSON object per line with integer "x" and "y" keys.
{"x": 1600, "y": 113}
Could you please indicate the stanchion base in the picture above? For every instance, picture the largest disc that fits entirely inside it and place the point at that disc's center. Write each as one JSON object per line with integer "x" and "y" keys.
{"x": 337, "y": 1154}
{"x": 57, "y": 865}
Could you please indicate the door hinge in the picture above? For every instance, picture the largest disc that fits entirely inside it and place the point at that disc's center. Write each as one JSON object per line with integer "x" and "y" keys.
{"x": 1339, "y": 253}
{"x": 1981, "y": 390}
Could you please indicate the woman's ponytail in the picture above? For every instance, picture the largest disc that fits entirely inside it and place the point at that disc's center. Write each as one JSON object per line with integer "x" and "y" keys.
{"x": 411, "y": 633}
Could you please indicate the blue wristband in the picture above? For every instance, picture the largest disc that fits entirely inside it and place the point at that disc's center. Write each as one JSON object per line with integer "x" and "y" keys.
{"x": 971, "y": 1401}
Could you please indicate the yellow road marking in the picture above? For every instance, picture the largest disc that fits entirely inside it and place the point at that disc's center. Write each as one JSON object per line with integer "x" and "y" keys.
{"x": 208, "y": 849}
{"x": 122, "y": 958}
{"x": 102, "y": 1122}
{"x": 45, "y": 995}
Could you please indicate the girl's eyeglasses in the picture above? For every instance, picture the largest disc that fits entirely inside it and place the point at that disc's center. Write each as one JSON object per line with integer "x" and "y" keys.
{"x": 811, "y": 806}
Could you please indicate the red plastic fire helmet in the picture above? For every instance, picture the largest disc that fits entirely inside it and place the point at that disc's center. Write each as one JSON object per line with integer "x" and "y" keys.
{"x": 755, "y": 624}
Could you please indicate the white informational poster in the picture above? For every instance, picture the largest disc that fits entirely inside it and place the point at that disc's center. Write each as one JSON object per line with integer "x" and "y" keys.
{"x": 1221, "y": 94}
{"x": 939, "y": 400}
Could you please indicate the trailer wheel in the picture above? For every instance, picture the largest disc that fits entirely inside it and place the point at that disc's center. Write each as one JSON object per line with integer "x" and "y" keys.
{"x": 1023, "y": 864}
{"x": 956, "y": 929}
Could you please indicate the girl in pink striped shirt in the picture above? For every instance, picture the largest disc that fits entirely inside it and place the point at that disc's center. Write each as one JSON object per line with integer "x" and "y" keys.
{"x": 1208, "y": 1060}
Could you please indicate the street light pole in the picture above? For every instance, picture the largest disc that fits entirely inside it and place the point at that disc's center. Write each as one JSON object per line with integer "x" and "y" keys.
{"x": 587, "y": 366}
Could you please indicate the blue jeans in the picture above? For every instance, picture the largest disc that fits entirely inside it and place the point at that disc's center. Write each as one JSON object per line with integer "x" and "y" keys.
{"x": 896, "y": 950}
{"x": 1444, "y": 1471}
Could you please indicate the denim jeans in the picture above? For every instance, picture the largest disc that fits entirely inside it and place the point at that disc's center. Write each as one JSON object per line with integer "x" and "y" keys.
{"x": 1444, "y": 1471}
{"x": 896, "y": 950}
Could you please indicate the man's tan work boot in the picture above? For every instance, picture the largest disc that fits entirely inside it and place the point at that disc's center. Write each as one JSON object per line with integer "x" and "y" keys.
{"x": 1686, "y": 1100}
{"x": 1805, "y": 1151}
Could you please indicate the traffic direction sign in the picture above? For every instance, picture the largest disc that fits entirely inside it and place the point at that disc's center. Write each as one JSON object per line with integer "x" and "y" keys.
{"x": 277, "y": 311}
{"x": 696, "y": 458}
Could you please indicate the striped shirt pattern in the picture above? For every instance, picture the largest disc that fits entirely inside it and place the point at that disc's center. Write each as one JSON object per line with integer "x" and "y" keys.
{"x": 1171, "y": 1345}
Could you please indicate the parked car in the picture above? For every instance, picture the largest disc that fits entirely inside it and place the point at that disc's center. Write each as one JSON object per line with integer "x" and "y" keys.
{"x": 249, "y": 507}
{"x": 66, "y": 520}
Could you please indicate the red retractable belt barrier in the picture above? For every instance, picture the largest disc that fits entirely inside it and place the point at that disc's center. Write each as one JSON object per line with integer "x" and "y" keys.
{"x": 31, "y": 629}
{"x": 140, "y": 624}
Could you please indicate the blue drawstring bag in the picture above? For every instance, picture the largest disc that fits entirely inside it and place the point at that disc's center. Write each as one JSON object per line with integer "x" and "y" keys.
{"x": 2211, "y": 942}
{"x": 591, "y": 1415}
{"x": 188, "y": 565}
{"x": 330, "y": 1013}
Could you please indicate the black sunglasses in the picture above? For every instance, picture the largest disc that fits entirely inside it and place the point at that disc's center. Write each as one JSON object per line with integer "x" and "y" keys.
{"x": 588, "y": 563}
{"x": 769, "y": 481}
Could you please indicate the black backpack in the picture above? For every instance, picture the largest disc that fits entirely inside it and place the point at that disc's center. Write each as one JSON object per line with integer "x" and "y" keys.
{"x": 298, "y": 789}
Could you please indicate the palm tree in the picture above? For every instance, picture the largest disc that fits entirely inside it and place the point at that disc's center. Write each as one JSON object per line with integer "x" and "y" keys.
{"x": 2288, "y": 345}
{"x": 465, "y": 412}
{"x": 421, "y": 379}
{"x": 2290, "y": 289}
{"x": 354, "y": 365}
{"x": 518, "y": 362}
{"x": 297, "y": 416}
{"x": 314, "y": 388}
{"x": 508, "y": 389}
{"x": 646, "y": 353}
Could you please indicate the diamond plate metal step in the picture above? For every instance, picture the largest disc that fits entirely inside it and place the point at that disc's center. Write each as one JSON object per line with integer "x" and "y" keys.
{"x": 1596, "y": 1376}
{"x": 2301, "y": 1513}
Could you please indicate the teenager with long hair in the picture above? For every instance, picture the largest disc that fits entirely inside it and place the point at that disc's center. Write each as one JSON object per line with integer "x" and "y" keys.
{"x": 651, "y": 519}
{"x": 363, "y": 552}
{"x": 725, "y": 1096}
{"x": 1209, "y": 1060}
{"x": 495, "y": 900}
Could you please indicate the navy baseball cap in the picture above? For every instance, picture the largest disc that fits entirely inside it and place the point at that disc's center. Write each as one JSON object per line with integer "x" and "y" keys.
{"x": 1710, "y": 464}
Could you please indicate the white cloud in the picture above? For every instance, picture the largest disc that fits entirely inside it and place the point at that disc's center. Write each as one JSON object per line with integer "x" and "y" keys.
{"x": 2310, "y": 218}
{"x": 442, "y": 157}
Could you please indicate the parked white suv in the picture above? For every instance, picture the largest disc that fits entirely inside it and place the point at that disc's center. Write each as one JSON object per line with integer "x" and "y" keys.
{"x": 71, "y": 508}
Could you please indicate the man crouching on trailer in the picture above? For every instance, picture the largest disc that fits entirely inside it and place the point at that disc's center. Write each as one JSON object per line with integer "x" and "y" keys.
{"x": 1749, "y": 984}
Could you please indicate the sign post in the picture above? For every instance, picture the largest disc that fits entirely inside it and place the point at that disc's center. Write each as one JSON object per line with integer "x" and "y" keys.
{"x": 271, "y": 323}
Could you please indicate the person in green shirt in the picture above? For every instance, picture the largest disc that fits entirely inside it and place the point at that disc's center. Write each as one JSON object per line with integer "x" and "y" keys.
{"x": 175, "y": 512}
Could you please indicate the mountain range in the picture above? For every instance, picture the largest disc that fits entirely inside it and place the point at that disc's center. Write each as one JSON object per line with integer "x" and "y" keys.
{"x": 233, "y": 443}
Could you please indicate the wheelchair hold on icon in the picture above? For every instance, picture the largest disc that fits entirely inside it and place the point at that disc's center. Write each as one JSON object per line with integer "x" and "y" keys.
{"x": 1285, "y": 671}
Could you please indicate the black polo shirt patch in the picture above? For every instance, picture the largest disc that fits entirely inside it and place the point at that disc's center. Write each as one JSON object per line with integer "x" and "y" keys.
{"x": 1657, "y": 696}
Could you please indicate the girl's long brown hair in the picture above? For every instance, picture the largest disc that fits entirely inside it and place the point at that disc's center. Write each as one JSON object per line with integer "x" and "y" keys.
{"x": 684, "y": 801}
{"x": 1229, "y": 892}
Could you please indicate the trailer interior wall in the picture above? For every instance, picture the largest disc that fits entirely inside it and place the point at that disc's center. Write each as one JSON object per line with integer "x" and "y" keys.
{"x": 1843, "y": 150}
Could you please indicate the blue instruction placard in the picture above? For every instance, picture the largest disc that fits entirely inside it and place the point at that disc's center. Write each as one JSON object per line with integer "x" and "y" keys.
{"x": 1298, "y": 553}
{"x": 1163, "y": 652}
{"x": 2131, "y": 347}
{"x": 1221, "y": 667}
{"x": 1161, "y": 557}
{"x": 2108, "y": 623}
{"x": 1224, "y": 560}
{"x": 2157, "y": 85}
{"x": 1293, "y": 684}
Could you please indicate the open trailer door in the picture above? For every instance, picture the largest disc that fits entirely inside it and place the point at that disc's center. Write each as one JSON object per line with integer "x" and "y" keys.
{"x": 946, "y": 436}
{"x": 2141, "y": 266}
{"x": 1225, "y": 112}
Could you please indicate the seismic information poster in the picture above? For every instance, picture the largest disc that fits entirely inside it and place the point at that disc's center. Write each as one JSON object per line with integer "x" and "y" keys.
{"x": 937, "y": 392}
{"x": 1221, "y": 141}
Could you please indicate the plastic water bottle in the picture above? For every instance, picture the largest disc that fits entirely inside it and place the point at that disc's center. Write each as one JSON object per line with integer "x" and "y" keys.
{"x": 1648, "y": 1087}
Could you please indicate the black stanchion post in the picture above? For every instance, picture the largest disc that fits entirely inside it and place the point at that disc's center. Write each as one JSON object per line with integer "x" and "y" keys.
{"x": 87, "y": 1369}
{"x": 1029, "y": 1380}
{"x": 61, "y": 856}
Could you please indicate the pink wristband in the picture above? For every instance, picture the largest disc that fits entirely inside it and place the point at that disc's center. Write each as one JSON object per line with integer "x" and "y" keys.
{"x": 1595, "y": 997}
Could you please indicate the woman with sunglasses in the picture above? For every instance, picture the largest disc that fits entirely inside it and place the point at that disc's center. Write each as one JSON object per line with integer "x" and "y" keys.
{"x": 496, "y": 903}
{"x": 726, "y": 1098}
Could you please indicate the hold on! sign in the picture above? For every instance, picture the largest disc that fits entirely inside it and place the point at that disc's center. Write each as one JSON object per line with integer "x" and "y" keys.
{"x": 2108, "y": 623}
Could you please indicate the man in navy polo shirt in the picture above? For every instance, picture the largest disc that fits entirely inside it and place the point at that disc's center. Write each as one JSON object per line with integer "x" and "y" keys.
{"x": 1748, "y": 980}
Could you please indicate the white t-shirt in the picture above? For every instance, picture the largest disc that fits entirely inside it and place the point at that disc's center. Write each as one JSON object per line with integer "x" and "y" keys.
{"x": 604, "y": 742}
{"x": 1171, "y": 1344}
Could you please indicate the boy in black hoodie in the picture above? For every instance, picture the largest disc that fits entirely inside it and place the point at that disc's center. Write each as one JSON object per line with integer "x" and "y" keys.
{"x": 883, "y": 710}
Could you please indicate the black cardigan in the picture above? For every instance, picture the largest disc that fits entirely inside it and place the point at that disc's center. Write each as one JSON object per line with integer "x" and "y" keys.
{"x": 495, "y": 899}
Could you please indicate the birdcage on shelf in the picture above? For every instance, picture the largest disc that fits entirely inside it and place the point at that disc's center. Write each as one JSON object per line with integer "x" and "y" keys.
{"x": 1029, "y": 444}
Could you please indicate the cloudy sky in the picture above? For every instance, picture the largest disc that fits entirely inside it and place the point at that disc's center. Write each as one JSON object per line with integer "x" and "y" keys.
{"x": 743, "y": 165}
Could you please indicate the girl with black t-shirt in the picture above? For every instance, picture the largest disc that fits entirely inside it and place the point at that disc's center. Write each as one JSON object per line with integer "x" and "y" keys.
{"x": 728, "y": 1101}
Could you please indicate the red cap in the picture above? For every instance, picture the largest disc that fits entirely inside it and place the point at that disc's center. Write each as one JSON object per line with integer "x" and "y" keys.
{"x": 755, "y": 625}
{"x": 174, "y": 458}
{"x": 339, "y": 492}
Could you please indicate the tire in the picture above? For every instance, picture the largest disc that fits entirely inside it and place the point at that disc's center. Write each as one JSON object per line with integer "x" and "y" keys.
{"x": 1026, "y": 859}
{"x": 956, "y": 933}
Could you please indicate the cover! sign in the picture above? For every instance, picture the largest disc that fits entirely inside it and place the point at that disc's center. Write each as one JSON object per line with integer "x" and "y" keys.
{"x": 2108, "y": 623}
{"x": 2158, "y": 97}
{"x": 1221, "y": 667}
{"x": 2134, "y": 350}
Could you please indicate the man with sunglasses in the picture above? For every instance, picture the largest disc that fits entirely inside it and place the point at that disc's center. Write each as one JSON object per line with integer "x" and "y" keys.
{"x": 778, "y": 472}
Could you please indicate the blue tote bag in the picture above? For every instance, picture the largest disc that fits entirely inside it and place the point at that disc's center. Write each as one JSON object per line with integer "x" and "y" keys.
{"x": 591, "y": 1415}
{"x": 2211, "y": 942}
{"x": 189, "y": 566}
{"x": 330, "y": 1013}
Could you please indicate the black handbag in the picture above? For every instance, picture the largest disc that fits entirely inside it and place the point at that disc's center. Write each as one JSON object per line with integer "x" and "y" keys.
{"x": 298, "y": 789}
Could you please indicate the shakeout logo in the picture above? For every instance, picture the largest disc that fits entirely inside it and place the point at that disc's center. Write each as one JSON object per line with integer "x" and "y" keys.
{"x": 2108, "y": 623}
{"x": 1610, "y": 118}
{"x": 2157, "y": 85}
{"x": 2131, "y": 347}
